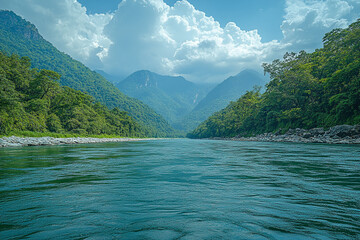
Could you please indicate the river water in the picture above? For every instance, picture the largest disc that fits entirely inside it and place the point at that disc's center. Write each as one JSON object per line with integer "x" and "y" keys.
{"x": 180, "y": 189}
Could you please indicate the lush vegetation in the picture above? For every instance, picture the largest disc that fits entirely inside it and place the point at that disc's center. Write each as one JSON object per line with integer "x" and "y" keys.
{"x": 20, "y": 37}
{"x": 307, "y": 90}
{"x": 172, "y": 97}
{"x": 32, "y": 100}
{"x": 220, "y": 96}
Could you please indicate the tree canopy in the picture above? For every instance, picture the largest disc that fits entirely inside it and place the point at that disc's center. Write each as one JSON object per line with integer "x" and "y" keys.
{"x": 20, "y": 37}
{"x": 307, "y": 90}
{"x": 33, "y": 100}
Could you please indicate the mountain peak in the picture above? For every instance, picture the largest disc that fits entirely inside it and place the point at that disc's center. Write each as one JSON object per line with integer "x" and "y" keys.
{"x": 171, "y": 96}
{"x": 9, "y": 21}
{"x": 17, "y": 36}
{"x": 248, "y": 72}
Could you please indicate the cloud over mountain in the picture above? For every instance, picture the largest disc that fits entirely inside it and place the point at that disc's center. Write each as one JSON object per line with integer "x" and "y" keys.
{"x": 67, "y": 26}
{"x": 179, "y": 39}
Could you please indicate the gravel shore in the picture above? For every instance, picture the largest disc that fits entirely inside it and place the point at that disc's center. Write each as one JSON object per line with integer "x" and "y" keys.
{"x": 341, "y": 134}
{"x": 44, "y": 141}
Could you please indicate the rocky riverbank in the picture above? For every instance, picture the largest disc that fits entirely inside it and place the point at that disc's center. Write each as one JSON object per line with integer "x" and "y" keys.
{"x": 44, "y": 141}
{"x": 342, "y": 134}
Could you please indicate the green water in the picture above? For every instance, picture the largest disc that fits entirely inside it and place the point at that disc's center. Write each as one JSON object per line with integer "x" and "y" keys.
{"x": 180, "y": 189}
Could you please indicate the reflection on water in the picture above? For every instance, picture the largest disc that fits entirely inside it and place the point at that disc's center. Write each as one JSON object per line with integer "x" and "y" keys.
{"x": 180, "y": 189}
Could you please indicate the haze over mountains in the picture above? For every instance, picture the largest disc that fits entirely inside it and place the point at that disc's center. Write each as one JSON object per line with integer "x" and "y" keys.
{"x": 171, "y": 97}
{"x": 219, "y": 97}
{"x": 185, "y": 104}
{"x": 17, "y": 36}
{"x": 181, "y": 103}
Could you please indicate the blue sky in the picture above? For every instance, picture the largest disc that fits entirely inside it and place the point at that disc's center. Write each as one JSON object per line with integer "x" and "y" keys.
{"x": 201, "y": 40}
{"x": 264, "y": 15}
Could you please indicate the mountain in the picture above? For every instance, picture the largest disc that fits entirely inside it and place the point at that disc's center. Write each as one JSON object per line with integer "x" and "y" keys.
{"x": 306, "y": 91}
{"x": 34, "y": 101}
{"x": 172, "y": 97}
{"x": 111, "y": 78}
{"x": 17, "y": 36}
{"x": 219, "y": 97}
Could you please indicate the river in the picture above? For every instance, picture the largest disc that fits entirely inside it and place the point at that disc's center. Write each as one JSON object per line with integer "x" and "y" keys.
{"x": 180, "y": 189}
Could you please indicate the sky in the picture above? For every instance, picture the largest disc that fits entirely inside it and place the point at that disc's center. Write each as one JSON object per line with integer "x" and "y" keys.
{"x": 202, "y": 40}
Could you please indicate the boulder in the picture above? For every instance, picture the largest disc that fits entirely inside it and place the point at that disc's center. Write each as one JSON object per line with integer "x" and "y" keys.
{"x": 342, "y": 131}
{"x": 307, "y": 135}
{"x": 317, "y": 131}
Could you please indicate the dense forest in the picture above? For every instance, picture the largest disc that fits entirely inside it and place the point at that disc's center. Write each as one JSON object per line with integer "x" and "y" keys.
{"x": 33, "y": 100}
{"x": 20, "y": 37}
{"x": 307, "y": 90}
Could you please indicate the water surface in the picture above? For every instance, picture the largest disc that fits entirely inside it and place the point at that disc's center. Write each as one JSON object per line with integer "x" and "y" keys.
{"x": 180, "y": 189}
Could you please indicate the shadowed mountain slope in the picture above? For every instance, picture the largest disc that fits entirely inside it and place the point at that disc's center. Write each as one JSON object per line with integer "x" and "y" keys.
{"x": 172, "y": 97}
{"x": 17, "y": 36}
{"x": 229, "y": 90}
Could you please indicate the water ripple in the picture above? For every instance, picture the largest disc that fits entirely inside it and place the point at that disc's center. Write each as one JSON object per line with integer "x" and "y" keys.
{"x": 180, "y": 189}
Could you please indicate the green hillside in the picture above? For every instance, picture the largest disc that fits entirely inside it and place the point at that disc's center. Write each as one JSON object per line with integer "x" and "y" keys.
{"x": 219, "y": 97}
{"x": 172, "y": 97}
{"x": 307, "y": 90}
{"x": 32, "y": 100}
{"x": 20, "y": 37}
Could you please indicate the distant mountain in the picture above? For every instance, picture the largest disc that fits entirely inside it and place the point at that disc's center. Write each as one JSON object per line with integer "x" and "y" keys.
{"x": 172, "y": 97}
{"x": 307, "y": 91}
{"x": 17, "y": 36}
{"x": 229, "y": 90}
{"x": 111, "y": 78}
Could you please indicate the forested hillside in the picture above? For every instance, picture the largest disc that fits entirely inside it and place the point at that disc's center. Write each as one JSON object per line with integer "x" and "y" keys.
{"x": 32, "y": 100}
{"x": 20, "y": 37}
{"x": 307, "y": 90}
{"x": 220, "y": 96}
{"x": 172, "y": 97}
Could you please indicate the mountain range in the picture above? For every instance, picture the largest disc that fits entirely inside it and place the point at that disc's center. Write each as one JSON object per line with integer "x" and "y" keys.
{"x": 185, "y": 104}
{"x": 158, "y": 103}
{"x": 171, "y": 97}
{"x": 219, "y": 97}
{"x": 18, "y": 36}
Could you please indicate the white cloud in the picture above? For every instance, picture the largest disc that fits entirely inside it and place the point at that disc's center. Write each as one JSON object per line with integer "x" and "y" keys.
{"x": 179, "y": 40}
{"x": 139, "y": 42}
{"x": 67, "y": 26}
{"x": 307, "y": 21}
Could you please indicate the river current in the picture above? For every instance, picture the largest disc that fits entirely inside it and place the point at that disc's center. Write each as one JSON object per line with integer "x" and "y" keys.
{"x": 180, "y": 189}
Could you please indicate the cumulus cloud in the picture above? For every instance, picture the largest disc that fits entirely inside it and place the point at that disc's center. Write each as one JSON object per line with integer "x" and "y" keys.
{"x": 67, "y": 26}
{"x": 148, "y": 34}
{"x": 179, "y": 39}
{"x": 307, "y": 21}
{"x": 138, "y": 39}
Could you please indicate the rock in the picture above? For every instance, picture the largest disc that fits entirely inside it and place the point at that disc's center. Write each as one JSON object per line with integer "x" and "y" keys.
{"x": 317, "y": 131}
{"x": 307, "y": 135}
{"x": 299, "y": 131}
{"x": 291, "y": 131}
{"x": 342, "y": 131}
{"x": 43, "y": 141}
{"x": 342, "y": 134}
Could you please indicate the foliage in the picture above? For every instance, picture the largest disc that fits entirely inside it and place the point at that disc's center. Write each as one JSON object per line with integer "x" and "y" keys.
{"x": 32, "y": 100}
{"x": 229, "y": 121}
{"x": 172, "y": 97}
{"x": 307, "y": 90}
{"x": 20, "y": 37}
{"x": 220, "y": 96}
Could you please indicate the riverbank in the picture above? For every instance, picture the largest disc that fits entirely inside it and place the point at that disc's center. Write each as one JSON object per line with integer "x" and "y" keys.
{"x": 342, "y": 134}
{"x": 14, "y": 141}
